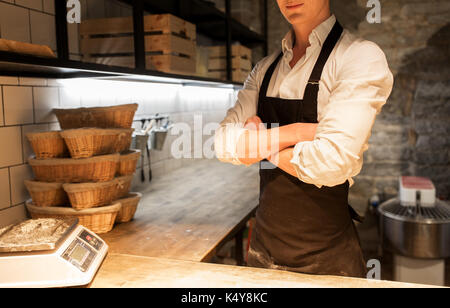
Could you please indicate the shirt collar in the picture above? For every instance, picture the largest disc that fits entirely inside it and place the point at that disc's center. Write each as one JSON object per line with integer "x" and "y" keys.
{"x": 318, "y": 35}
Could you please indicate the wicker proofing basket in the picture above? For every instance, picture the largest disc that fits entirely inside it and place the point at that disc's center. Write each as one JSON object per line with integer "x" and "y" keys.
{"x": 103, "y": 117}
{"x": 123, "y": 186}
{"x": 89, "y": 195}
{"x": 128, "y": 162}
{"x": 88, "y": 142}
{"x": 48, "y": 145}
{"x": 69, "y": 170}
{"x": 125, "y": 139}
{"x": 46, "y": 194}
{"x": 129, "y": 207}
{"x": 98, "y": 220}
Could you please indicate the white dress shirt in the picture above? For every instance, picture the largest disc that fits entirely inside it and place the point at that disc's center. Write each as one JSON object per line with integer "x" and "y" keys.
{"x": 355, "y": 84}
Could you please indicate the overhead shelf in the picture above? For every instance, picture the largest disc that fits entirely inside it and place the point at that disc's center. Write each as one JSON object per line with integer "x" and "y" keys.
{"x": 12, "y": 64}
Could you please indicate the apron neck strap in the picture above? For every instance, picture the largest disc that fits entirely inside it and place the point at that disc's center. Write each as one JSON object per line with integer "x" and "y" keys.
{"x": 327, "y": 48}
{"x": 268, "y": 76}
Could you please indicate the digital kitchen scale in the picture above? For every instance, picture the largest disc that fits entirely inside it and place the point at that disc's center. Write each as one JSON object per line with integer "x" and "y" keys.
{"x": 49, "y": 252}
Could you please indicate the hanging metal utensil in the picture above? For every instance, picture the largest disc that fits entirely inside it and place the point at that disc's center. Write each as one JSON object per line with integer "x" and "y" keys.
{"x": 146, "y": 132}
{"x": 141, "y": 142}
{"x": 159, "y": 137}
{"x": 149, "y": 164}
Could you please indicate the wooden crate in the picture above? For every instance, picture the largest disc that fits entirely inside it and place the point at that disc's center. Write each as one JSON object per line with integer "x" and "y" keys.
{"x": 237, "y": 75}
{"x": 241, "y": 62}
{"x": 236, "y": 51}
{"x": 236, "y": 63}
{"x": 170, "y": 44}
{"x": 169, "y": 24}
{"x": 173, "y": 64}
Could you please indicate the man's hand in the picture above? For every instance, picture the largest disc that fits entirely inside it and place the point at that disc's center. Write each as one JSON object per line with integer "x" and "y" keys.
{"x": 282, "y": 160}
{"x": 254, "y": 123}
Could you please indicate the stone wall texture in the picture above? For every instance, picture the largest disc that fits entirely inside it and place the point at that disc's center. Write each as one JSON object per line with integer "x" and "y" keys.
{"x": 411, "y": 135}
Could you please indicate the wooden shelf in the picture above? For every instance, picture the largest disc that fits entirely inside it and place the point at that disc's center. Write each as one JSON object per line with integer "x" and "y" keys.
{"x": 209, "y": 20}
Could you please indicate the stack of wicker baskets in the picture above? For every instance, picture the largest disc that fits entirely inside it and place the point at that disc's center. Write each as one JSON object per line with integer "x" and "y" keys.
{"x": 85, "y": 170}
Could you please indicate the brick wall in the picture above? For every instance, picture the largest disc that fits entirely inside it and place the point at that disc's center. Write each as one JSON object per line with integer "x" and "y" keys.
{"x": 411, "y": 135}
{"x": 277, "y": 25}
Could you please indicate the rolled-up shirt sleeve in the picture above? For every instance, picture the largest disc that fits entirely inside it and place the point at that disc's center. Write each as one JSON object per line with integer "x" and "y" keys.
{"x": 363, "y": 84}
{"x": 231, "y": 128}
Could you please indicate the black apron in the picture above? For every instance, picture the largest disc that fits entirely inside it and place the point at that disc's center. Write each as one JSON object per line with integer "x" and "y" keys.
{"x": 300, "y": 227}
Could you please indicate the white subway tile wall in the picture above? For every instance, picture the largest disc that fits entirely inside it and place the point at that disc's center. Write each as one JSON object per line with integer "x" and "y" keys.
{"x": 12, "y": 215}
{"x": 17, "y": 103}
{"x": 41, "y": 24}
{"x": 2, "y": 122}
{"x": 32, "y": 4}
{"x": 49, "y": 6}
{"x": 17, "y": 175}
{"x": 12, "y": 81}
{"x": 11, "y": 146}
{"x": 15, "y": 22}
{"x": 45, "y": 99}
{"x": 5, "y": 197}
{"x": 27, "y": 81}
{"x": 27, "y": 105}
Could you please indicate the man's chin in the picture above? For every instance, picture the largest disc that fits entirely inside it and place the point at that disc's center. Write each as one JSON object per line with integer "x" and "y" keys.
{"x": 297, "y": 19}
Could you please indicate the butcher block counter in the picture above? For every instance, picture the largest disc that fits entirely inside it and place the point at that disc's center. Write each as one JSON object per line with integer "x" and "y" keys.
{"x": 189, "y": 213}
{"x": 128, "y": 271}
{"x": 183, "y": 218}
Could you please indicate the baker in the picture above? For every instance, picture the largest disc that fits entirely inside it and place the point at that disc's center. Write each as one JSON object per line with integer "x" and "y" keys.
{"x": 317, "y": 99}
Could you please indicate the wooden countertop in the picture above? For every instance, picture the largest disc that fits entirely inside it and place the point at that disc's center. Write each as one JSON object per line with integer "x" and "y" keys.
{"x": 146, "y": 272}
{"x": 187, "y": 213}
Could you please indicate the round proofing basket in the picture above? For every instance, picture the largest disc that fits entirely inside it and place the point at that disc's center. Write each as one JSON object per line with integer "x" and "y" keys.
{"x": 123, "y": 186}
{"x": 70, "y": 170}
{"x": 128, "y": 162}
{"x": 102, "y": 117}
{"x": 88, "y": 142}
{"x": 129, "y": 207}
{"x": 99, "y": 220}
{"x": 46, "y": 194}
{"x": 124, "y": 140}
{"x": 89, "y": 195}
{"x": 48, "y": 145}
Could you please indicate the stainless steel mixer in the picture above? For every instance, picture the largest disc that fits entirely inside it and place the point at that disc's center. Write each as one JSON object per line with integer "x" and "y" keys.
{"x": 415, "y": 227}
{"x": 416, "y": 231}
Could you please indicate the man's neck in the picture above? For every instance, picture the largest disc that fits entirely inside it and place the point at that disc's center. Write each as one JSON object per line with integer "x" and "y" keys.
{"x": 303, "y": 30}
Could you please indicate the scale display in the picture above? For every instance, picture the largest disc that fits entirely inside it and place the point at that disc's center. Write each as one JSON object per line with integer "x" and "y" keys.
{"x": 79, "y": 254}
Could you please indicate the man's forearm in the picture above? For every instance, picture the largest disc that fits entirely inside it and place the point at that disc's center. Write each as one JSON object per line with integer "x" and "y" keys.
{"x": 282, "y": 160}
{"x": 256, "y": 145}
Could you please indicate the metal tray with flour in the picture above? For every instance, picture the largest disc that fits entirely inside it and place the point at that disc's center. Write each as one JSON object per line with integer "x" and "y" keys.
{"x": 35, "y": 234}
